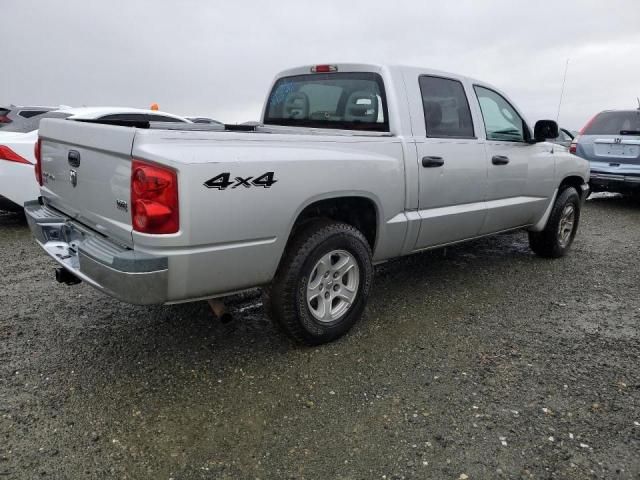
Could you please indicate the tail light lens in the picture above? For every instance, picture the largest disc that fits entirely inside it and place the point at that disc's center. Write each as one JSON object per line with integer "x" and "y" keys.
{"x": 4, "y": 119}
{"x": 154, "y": 198}
{"x": 573, "y": 148}
{"x": 9, "y": 155}
{"x": 36, "y": 153}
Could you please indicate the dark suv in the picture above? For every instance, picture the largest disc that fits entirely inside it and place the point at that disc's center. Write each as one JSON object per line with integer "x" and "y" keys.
{"x": 611, "y": 143}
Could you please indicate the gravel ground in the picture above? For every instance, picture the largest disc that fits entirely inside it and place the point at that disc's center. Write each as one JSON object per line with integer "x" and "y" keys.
{"x": 478, "y": 361}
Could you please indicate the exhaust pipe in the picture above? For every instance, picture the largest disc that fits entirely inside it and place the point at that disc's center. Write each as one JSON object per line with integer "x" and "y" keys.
{"x": 65, "y": 276}
{"x": 219, "y": 309}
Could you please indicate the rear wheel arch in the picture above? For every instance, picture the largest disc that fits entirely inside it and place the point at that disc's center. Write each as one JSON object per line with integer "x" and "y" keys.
{"x": 359, "y": 211}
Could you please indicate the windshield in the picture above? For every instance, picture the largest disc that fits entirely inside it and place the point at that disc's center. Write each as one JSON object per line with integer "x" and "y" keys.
{"x": 614, "y": 123}
{"x": 349, "y": 101}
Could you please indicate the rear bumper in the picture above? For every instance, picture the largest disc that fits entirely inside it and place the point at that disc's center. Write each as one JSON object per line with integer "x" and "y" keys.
{"x": 616, "y": 182}
{"x": 130, "y": 276}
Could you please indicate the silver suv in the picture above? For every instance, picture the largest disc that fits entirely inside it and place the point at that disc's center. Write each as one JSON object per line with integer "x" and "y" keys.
{"x": 611, "y": 143}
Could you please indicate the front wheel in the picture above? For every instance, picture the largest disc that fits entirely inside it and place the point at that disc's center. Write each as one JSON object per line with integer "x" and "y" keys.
{"x": 322, "y": 284}
{"x": 556, "y": 238}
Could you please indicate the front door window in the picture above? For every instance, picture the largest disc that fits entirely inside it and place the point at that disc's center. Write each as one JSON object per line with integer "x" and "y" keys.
{"x": 501, "y": 121}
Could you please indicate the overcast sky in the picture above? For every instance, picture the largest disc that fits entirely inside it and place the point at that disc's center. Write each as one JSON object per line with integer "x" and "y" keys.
{"x": 218, "y": 58}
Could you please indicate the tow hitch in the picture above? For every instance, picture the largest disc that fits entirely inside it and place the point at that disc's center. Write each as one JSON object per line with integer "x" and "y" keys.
{"x": 65, "y": 276}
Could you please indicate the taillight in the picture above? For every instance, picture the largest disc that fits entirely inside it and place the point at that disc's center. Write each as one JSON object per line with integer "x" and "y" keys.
{"x": 9, "y": 155}
{"x": 573, "y": 147}
{"x": 154, "y": 198}
{"x": 36, "y": 153}
{"x": 4, "y": 119}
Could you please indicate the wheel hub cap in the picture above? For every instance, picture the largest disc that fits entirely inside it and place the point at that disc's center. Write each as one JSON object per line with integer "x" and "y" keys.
{"x": 333, "y": 285}
{"x": 567, "y": 222}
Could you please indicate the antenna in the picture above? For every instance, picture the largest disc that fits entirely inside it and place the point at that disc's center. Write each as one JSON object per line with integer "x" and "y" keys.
{"x": 564, "y": 80}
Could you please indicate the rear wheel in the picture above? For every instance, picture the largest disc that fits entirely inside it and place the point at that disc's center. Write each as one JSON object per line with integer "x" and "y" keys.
{"x": 322, "y": 284}
{"x": 556, "y": 239}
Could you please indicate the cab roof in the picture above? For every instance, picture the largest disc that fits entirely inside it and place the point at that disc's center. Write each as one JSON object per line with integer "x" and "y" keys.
{"x": 376, "y": 68}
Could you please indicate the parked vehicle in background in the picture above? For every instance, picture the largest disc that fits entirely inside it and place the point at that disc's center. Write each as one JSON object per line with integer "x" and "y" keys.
{"x": 122, "y": 114}
{"x": 15, "y": 118}
{"x": 564, "y": 138}
{"x": 205, "y": 120}
{"x": 17, "y": 180}
{"x": 610, "y": 141}
{"x": 354, "y": 165}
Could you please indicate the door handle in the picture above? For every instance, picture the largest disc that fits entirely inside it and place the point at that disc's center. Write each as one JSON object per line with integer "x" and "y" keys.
{"x": 499, "y": 160}
{"x": 431, "y": 162}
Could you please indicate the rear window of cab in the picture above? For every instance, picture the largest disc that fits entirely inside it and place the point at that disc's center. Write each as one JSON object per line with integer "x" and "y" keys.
{"x": 341, "y": 100}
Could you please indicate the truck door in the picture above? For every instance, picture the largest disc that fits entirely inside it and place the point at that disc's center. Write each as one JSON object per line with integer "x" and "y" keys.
{"x": 520, "y": 174}
{"x": 452, "y": 164}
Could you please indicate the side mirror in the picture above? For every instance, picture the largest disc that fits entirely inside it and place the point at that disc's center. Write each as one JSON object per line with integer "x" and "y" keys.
{"x": 545, "y": 129}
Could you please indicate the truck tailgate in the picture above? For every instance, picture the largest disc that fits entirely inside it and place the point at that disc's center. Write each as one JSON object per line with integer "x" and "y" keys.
{"x": 86, "y": 172}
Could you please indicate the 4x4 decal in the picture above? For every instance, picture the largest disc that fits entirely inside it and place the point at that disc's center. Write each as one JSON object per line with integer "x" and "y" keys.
{"x": 222, "y": 181}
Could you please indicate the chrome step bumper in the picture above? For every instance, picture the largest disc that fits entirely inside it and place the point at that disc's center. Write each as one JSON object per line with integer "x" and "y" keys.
{"x": 121, "y": 272}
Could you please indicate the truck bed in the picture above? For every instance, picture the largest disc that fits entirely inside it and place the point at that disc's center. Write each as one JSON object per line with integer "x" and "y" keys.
{"x": 229, "y": 238}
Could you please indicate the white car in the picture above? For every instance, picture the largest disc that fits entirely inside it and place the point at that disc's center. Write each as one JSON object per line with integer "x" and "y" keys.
{"x": 17, "y": 179}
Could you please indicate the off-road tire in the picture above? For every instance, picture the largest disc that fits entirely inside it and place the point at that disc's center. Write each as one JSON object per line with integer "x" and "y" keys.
{"x": 547, "y": 242}
{"x": 285, "y": 300}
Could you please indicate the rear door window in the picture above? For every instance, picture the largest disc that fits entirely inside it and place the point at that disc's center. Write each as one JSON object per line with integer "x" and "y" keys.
{"x": 349, "y": 101}
{"x": 614, "y": 123}
{"x": 31, "y": 113}
{"x": 446, "y": 109}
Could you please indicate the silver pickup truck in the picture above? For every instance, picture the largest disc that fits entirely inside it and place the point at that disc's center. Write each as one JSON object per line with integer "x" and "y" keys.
{"x": 352, "y": 165}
